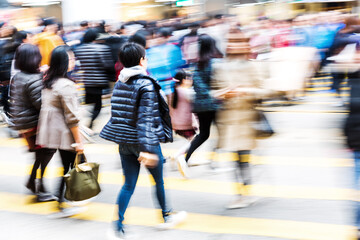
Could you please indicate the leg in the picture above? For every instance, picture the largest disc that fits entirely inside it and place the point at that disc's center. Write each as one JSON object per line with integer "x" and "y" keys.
{"x": 5, "y": 99}
{"x": 357, "y": 186}
{"x": 45, "y": 157}
{"x": 244, "y": 166}
{"x": 157, "y": 174}
{"x": 337, "y": 79}
{"x": 205, "y": 120}
{"x": 41, "y": 155}
{"x": 67, "y": 159}
{"x": 97, "y": 108}
{"x": 131, "y": 168}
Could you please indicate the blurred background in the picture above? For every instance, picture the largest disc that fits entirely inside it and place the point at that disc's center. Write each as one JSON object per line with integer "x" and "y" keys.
{"x": 281, "y": 158}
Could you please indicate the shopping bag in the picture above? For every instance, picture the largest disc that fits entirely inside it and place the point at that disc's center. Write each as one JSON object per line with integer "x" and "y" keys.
{"x": 82, "y": 181}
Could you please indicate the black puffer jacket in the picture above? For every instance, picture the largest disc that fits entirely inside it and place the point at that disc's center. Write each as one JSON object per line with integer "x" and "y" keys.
{"x": 352, "y": 123}
{"x": 97, "y": 67}
{"x": 25, "y": 100}
{"x": 135, "y": 117}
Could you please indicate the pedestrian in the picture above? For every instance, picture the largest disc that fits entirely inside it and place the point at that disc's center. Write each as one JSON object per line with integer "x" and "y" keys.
{"x": 25, "y": 103}
{"x": 165, "y": 59}
{"x": 183, "y": 120}
{"x": 352, "y": 133}
{"x": 138, "y": 126}
{"x": 8, "y": 49}
{"x": 59, "y": 116}
{"x": 235, "y": 82}
{"x": 204, "y": 105}
{"x": 97, "y": 70}
{"x": 48, "y": 40}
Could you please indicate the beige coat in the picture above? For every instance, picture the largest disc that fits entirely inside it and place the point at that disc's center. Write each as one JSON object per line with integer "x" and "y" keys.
{"x": 59, "y": 113}
{"x": 236, "y": 117}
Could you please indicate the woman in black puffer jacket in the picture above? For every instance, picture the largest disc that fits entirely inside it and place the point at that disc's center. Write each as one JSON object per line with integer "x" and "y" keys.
{"x": 139, "y": 122}
{"x": 25, "y": 103}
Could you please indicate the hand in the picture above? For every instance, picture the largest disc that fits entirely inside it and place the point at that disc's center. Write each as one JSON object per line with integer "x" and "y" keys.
{"x": 149, "y": 160}
{"x": 79, "y": 147}
{"x": 44, "y": 68}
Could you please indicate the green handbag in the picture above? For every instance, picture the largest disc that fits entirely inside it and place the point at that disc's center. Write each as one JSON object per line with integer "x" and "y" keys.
{"x": 82, "y": 180}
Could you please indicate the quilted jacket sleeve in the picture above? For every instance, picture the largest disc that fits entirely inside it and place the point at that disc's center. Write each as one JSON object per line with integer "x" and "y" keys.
{"x": 34, "y": 87}
{"x": 145, "y": 125}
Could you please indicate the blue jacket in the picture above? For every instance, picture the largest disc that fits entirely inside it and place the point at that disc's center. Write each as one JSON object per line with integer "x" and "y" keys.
{"x": 135, "y": 116}
{"x": 163, "y": 61}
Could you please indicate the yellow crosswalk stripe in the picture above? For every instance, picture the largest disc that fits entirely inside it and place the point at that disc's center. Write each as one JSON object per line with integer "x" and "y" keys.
{"x": 327, "y": 94}
{"x": 204, "y": 186}
{"x": 324, "y": 83}
{"x": 206, "y": 223}
{"x": 324, "y": 88}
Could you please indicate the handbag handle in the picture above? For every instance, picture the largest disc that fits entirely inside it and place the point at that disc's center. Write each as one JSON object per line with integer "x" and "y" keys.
{"x": 78, "y": 159}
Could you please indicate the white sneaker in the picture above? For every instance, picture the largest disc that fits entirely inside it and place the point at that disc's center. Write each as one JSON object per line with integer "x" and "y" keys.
{"x": 68, "y": 212}
{"x": 242, "y": 202}
{"x": 172, "y": 161}
{"x": 198, "y": 162}
{"x": 172, "y": 220}
{"x": 183, "y": 167}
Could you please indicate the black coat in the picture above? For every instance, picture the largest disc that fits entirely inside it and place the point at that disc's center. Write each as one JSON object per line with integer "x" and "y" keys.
{"x": 135, "y": 115}
{"x": 25, "y": 100}
{"x": 96, "y": 65}
{"x": 352, "y": 124}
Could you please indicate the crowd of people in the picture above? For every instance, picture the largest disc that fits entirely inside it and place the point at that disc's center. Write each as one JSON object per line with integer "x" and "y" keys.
{"x": 164, "y": 76}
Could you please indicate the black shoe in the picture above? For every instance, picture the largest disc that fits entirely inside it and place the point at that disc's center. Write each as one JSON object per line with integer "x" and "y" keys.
{"x": 46, "y": 197}
{"x": 31, "y": 185}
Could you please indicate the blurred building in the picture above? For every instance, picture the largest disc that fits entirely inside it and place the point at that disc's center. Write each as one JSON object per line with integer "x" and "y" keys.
{"x": 74, "y": 11}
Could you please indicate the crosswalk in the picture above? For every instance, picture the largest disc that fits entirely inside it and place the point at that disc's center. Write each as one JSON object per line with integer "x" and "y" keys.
{"x": 301, "y": 177}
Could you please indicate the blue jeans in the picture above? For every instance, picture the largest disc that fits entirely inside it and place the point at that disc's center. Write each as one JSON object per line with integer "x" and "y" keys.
{"x": 357, "y": 186}
{"x": 129, "y": 159}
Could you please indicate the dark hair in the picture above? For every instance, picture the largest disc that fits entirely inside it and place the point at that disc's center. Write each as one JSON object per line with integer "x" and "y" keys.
{"x": 131, "y": 54}
{"x": 180, "y": 76}
{"x": 28, "y": 58}
{"x": 59, "y": 64}
{"x": 49, "y": 21}
{"x": 20, "y": 36}
{"x": 207, "y": 50}
{"x": 165, "y": 32}
{"x": 84, "y": 23}
{"x": 139, "y": 39}
{"x": 90, "y": 35}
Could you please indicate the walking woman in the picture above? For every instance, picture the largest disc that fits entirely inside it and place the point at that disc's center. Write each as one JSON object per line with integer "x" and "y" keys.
{"x": 25, "y": 103}
{"x": 235, "y": 82}
{"x": 58, "y": 121}
{"x": 138, "y": 126}
{"x": 204, "y": 104}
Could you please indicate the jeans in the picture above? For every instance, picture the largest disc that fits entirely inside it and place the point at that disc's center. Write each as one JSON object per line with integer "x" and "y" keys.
{"x": 129, "y": 159}
{"x": 357, "y": 186}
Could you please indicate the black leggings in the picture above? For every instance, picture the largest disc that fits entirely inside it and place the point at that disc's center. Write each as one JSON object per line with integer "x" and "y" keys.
{"x": 40, "y": 161}
{"x": 67, "y": 159}
{"x": 205, "y": 120}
